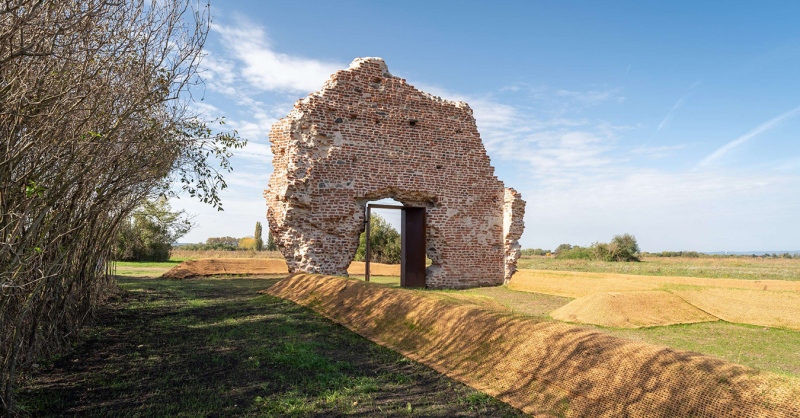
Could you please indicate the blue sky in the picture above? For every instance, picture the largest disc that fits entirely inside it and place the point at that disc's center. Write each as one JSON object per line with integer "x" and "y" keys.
{"x": 677, "y": 122}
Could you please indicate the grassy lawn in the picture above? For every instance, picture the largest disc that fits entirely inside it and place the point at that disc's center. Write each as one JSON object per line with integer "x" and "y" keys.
{"x": 177, "y": 254}
{"x": 214, "y": 347}
{"x": 771, "y": 349}
{"x": 746, "y": 268}
{"x": 144, "y": 268}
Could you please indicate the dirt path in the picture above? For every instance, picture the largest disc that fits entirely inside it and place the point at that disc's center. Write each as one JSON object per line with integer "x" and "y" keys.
{"x": 213, "y": 347}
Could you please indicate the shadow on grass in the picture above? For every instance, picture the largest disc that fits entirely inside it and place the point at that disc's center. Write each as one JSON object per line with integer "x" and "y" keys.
{"x": 214, "y": 347}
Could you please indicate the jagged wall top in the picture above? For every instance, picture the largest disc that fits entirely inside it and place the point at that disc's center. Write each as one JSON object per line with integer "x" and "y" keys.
{"x": 368, "y": 135}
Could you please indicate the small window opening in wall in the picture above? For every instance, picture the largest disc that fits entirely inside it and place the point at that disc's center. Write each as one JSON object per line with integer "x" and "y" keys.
{"x": 412, "y": 122}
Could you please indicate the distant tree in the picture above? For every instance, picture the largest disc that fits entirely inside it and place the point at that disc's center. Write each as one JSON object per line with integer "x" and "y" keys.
{"x": 534, "y": 251}
{"x": 259, "y": 245}
{"x": 247, "y": 243}
{"x": 621, "y": 248}
{"x": 384, "y": 242}
{"x": 626, "y": 247}
{"x": 561, "y": 248}
{"x": 575, "y": 252}
{"x": 149, "y": 233}
{"x": 223, "y": 243}
{"x": 271, "y": 244}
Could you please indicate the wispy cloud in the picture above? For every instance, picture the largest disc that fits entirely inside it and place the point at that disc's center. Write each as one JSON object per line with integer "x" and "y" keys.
{"x": 721, "y": 151}
{"x": 264, "y": 68}
{"x": 676, "y": 106}
{"x": 591, "y": 97}
{"x": 656, "y": 152}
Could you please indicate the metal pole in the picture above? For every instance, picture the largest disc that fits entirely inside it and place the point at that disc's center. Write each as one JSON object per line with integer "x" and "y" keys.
{"x": 366, "y": 257}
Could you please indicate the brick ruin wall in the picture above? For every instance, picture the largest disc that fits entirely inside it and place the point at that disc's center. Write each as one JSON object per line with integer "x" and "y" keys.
{"x": 368, "y": 135}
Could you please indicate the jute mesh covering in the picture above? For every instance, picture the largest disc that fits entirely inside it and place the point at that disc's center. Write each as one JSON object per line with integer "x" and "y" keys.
{"x": 756, "y": 307}
{"x": 772, "y": 303}
{"x": 631, "y": 310}
{"x": 545, "y": 368}
{"x": 255, "y": 266}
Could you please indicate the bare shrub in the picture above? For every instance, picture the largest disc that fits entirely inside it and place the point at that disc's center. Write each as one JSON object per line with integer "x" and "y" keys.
{"x": 94, "y": 118}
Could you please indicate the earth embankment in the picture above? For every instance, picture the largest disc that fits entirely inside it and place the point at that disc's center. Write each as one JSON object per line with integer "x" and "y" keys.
{"x": 545, "y": 368}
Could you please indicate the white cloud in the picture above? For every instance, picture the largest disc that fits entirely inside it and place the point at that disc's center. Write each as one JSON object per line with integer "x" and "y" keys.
{"x": 256, "y": 151}
{"x": 266, "y": 69}
{"x": 575, "y": 171}
{"x": 721, "y": 151}
{"x": 666, "y": 210}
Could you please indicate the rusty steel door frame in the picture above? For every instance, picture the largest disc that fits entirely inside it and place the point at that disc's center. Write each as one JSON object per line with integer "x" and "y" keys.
{"x": 412, "y": 249}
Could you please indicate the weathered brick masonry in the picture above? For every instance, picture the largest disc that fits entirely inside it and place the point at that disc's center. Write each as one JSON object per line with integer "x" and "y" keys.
{"x": 368, "y": 135}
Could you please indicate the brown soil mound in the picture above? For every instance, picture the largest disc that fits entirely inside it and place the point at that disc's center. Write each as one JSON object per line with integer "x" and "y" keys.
{"x": 756, "y": 307}
{"x": 375, "y": 269}
{"x": 254, "y": 266}
{"x": 544, "y": 367}
{"x": 631, "y": 310}
{"x": 226, "y": 266}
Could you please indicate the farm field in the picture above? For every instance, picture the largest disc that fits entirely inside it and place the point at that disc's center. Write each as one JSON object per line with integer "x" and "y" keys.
{"x": 766, "y": 348}
{"x": 155, "y": 350}
{"x": 746, "y": 268}
{"x": 214, "y": 347}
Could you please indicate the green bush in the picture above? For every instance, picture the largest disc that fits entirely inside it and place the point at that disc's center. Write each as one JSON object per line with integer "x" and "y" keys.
{"x": 621, "y": 248}
{"x": 534, "y": 251}
{"x": 575, "y": 253}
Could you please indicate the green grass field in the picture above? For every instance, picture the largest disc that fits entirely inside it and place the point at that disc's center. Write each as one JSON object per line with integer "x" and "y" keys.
{"x": 214, "y": 347}
{"x": 771, "y": 349}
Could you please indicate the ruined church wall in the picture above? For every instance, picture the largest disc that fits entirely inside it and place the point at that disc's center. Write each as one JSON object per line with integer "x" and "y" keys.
{"x": 368, "y": 135}
{"x": 513, "y": 225}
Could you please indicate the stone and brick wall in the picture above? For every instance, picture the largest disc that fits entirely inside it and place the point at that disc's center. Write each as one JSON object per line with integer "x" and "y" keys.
{"x": 369, "y": 135}
{"x": 513, "y": 212}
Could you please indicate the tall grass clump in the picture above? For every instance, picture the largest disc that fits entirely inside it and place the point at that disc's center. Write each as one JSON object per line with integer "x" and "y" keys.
{"x": 94, "y": 119}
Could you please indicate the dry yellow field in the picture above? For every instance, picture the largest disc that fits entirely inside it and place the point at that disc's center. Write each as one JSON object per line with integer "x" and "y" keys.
{"x": 545, "y": 368}
{"x": 774, "y": 303}
{"x": 755, "y": 307}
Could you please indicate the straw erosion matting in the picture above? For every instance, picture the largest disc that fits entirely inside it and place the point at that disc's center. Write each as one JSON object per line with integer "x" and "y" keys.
{"x": 631, "y": 310}
{"x": 257, "y": 266}
{"x": 544, "y": 367}
{"x": 631, "y": 301}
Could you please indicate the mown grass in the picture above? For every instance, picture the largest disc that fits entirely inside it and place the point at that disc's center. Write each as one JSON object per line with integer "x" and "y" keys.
{"x": 214, "y": 347}
{"x": 177, "y": 254}
{"x": 746, "y": 268}
{"x": 771, "y": 349}
{"x": 143, "y": 268}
